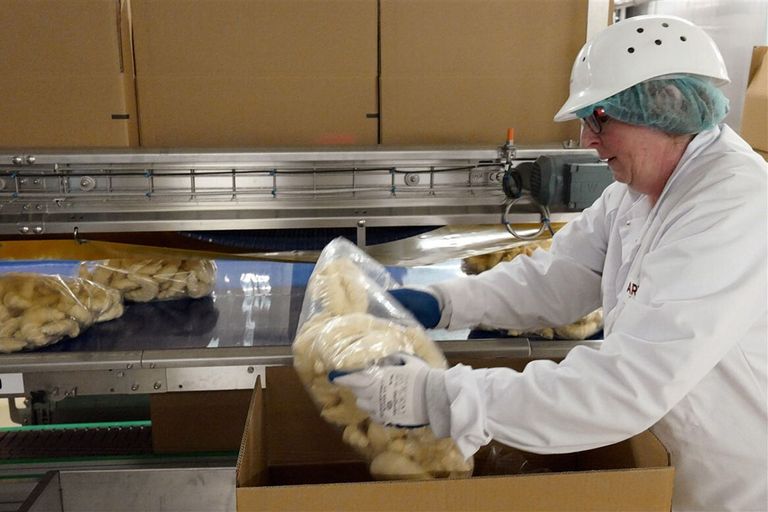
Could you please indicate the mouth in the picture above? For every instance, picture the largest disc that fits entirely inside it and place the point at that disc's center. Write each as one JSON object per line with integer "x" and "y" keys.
{"x": 606, "y": 159}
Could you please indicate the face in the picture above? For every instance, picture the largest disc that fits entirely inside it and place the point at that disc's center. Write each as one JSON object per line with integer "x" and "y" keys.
{"x": 639, "y": 156}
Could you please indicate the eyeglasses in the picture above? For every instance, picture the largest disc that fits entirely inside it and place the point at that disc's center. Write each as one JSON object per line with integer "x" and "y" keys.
{"x": 596, "y": 120}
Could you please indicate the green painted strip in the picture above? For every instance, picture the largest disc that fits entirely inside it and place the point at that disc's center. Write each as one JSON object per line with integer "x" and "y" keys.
{"x": 65, "y": 426}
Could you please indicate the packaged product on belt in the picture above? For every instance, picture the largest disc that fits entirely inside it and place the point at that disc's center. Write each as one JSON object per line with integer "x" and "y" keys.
{"x": 37, "y": 310}
{"x": 149, "y": 279}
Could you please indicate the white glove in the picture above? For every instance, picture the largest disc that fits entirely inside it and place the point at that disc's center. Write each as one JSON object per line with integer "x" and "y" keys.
{"x": 393, "y": 393}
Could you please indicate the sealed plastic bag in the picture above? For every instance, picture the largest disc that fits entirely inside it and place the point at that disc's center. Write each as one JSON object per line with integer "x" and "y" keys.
{"x": 148, "y": 279}
{"x": 37, "y": 310}
{"x": 349, "y": 322}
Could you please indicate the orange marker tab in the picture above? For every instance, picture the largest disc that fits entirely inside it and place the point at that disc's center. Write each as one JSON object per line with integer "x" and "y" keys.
{"x": 511, "y": 136}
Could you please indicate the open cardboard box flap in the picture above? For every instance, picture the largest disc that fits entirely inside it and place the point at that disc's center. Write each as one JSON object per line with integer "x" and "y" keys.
{"x": 754, "y": 122}
{"x": 286, "y": 450}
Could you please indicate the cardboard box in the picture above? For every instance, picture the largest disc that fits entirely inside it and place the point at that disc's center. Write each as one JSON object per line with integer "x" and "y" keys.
{"x": 463, "y": 71}
{"x": 290, "y": 459}
{"x": 235, "y": 73}
{"x": 66, "y": 74}
{"x": 198, "y": 421}
{"x": 754, "y": 121}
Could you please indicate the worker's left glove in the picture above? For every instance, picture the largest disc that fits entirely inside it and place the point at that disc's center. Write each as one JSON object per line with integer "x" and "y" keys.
{"x": 393, "y": 392}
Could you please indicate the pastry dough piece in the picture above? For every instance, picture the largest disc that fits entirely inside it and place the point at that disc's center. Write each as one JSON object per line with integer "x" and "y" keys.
{"x": 547, "y": 333}
{"x": 38, "y": 309}
{"x": 9, "y": 344}
{"x": 583, "y": 328}
{"x": 146, "y": 291}
{"x": 340, "y": 287}
{"x": 9, "y": 326}
{"x": 339, "y": 334}
{"x": 579, "y": 330}
{"x": 358, "y": 340}
{"x": 105, "y": 303}
{"x": 345, "y": 412}
{"x": 148, "y": 279}
{"x": 396, "y": 466}
{"x": 91, "y": 302}
{"x": 483, "y": 262}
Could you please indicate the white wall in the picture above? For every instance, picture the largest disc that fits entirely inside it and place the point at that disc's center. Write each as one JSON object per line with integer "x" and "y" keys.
{"x": 735, "y": 25}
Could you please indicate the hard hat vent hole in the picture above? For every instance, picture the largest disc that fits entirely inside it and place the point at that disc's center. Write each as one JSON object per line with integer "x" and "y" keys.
{"x": 631, "y": 50}
{"x": 583, "y": 59}
{"x": 640, "y": 30}
{"x": 683, "y": 38}
{"x": 665, "y": 25}
{"x": 658, "y": 42}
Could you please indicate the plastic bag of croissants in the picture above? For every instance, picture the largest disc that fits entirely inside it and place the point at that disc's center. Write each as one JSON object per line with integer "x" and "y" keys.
{"x": 349, "y": 322}
{"x": 37, "y": 310}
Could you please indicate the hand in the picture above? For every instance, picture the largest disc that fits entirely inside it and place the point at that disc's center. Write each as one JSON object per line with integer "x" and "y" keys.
{"x": 423, "y": 305}
{"x": 393, "y": 394}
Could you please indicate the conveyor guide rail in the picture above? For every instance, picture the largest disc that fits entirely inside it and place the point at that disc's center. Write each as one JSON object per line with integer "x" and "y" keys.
{"x": 152, "y": 191}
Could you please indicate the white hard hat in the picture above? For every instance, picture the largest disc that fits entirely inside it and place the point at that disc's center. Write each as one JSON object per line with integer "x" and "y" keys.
{"x": 638, "y": 49}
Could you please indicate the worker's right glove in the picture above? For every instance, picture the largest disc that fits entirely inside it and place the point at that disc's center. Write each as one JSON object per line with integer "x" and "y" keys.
{"x": 393, "y": 393}
{"x": 423, "y": 305}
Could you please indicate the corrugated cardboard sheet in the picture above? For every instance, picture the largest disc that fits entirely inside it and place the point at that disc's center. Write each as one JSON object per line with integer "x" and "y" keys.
{"x": 291, "y": 460}
{"x": 459, "y": 71}
{"x": 256, "y": 72}
{"x": 754, "y": 121}
{"x": 198, "y": 421}
{"x": 66, "y": 74}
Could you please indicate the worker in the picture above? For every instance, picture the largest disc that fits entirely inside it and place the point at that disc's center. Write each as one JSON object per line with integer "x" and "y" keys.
{"x": 675, "y": 253}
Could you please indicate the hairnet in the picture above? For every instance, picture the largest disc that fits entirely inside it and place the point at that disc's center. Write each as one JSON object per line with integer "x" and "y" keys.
{"x": 678, "y": 105}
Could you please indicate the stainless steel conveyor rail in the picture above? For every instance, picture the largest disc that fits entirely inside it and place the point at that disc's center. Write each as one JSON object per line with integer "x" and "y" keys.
{"x": 58, "y": 192}
{"x": 158, "y": 371}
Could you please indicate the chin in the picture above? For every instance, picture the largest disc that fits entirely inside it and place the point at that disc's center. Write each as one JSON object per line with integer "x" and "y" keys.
{"x": 619, "y": 177}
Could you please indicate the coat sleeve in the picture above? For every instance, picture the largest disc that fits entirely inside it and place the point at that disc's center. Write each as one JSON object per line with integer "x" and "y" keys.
{"x": 538, "y": 290}
{"x": 701, "y": 287}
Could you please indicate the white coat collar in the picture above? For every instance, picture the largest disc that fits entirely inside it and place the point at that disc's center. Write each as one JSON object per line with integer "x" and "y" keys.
{"x": 698, "y": 144}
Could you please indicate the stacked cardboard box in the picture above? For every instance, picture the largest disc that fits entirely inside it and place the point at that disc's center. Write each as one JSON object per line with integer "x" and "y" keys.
{"x": 66, "y": 74}
{"x": 213, "y": 73}
{"x": 458, "y": 71}
{"x": 754, "y": 122}
{"x": 249, "y": 73}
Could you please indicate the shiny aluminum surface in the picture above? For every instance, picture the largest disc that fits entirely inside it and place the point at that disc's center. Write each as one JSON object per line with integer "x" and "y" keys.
{"x": 139, "y": 190}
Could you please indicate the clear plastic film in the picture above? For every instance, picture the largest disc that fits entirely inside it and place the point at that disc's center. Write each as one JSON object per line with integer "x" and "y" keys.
{"x": 151, "y": 279}
{"x": 349, "y": 322}
{"x": 37, "y": 310}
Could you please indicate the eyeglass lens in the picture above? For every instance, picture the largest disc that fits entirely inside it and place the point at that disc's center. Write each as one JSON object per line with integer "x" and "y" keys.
{"x": 595, "y": 120}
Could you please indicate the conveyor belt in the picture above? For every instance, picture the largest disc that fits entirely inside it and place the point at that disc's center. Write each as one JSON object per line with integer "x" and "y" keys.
{"x": 254, "y": 303}
{"x": 271, "y": 240}
{"x": 216, "y": 343}
{"x": 76, "y": 441}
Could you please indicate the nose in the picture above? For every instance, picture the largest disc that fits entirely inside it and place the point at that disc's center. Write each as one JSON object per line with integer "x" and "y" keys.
{"x": 588, "y": 138}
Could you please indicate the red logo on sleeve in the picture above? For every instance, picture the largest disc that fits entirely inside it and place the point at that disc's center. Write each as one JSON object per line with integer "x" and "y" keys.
{"x": 632, "y": 289}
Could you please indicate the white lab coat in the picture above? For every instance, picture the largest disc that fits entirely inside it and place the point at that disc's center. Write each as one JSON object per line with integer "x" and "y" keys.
{"x": 683, "y": 286}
